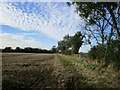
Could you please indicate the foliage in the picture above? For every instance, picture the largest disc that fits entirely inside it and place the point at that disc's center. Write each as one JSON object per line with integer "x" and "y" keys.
{"x": 64, "y": 45}
{"x": 109, "y": 52}
{"x": 70, "y": 44}
{"x": 26, "y": 50}
{"x": 100, "y": 15}
{"x": 54, "y": 49}
{"x": 7, "y": 49}
{"x": 102, "y": 23}
{"x": 76, "y": 42}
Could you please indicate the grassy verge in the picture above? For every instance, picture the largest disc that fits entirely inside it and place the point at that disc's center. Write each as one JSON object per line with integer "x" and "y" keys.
{"x": 77, "y": 68}
{"x": 75, "y": 79}
{"x": 67, "y": 62}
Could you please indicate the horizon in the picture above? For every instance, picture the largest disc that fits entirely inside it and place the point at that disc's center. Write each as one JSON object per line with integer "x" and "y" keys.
{"x": 38, "y": 24}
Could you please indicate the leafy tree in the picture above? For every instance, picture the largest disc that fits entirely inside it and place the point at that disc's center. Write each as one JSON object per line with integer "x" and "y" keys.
{"x": 102, "y": 23}
{"x": 99, "y": 32}
{"x": 112, "y": 56}
{"x": 7, "y": 49}
{"x": 93, "y": 12}
{"x": 70, "y": 44}
{"x": 18, "y": 49}
{"x": 76, "y": 42}
{"x": 28, "y": 49}
{"x": 64, "y": 45}
{"x": 54, "y": 49}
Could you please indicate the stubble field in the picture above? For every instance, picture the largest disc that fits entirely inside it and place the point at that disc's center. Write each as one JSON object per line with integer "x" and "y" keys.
{"x": 28, "y": 70}
{"x": 38, "y": 71}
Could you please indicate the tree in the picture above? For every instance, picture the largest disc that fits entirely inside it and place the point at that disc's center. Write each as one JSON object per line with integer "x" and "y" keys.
{"x": 93, "y": 12}
{"x": 7, "y": 49}
{"x": 54, "y": 49}
{"x": 70, "y": 44}
{"x": 18, "y": 49}
{"x": 112, "y": 56}
{"x": 63, "y": 47}
{"x": 76, "y": 42}
{"x": 102, "y": 20}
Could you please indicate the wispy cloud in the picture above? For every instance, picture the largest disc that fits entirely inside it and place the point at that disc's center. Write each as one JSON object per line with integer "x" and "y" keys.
{"x": 35, "y": 0}
{"x": 18, "y": 40}
{"x": 53, "y": 19}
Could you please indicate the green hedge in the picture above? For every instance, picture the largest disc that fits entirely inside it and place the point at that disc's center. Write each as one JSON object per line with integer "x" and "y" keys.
{"x": 109, "y": 52}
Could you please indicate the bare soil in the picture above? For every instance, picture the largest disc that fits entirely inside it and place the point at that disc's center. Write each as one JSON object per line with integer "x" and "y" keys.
{"x": 28, "y": 70}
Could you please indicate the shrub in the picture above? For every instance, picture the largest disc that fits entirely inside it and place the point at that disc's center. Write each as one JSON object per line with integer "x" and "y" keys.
{"x": 110, "y": 52}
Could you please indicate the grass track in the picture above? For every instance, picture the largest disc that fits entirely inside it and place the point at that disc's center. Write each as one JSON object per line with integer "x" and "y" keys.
{"x": 86, "y": 75}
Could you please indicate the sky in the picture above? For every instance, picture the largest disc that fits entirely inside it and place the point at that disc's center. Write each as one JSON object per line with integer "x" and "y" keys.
{"x": 37, "y": 24}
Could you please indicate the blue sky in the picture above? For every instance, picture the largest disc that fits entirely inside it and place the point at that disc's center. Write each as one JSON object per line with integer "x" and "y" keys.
{"x": 37, "y": 24}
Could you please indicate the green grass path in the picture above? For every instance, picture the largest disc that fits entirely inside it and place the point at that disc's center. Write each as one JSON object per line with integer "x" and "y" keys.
{"x": 84, "y": 75}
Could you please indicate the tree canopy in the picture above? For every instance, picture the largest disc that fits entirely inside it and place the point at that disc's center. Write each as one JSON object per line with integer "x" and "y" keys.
{"x": 102, "y": 23}
{"x": 94, "y": 13}
{"x": 71, "y": 44}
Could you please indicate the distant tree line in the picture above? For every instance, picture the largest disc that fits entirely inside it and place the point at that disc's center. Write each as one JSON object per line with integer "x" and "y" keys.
{"x": 26, "y": 50}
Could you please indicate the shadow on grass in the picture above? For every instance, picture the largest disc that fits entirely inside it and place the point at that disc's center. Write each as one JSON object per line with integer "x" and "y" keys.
{"x": 30, "y": 80}
{"x": 9, "y": 85}
{"x": 76, "y": 80}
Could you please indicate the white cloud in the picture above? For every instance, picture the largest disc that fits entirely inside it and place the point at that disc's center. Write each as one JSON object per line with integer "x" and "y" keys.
{"x": 85, "y": 48}
{"x": 14, "y": 41}
{"x": 51, "y": 18}
{"x": 35, "y": 0}
{"x": 54, "y": 19}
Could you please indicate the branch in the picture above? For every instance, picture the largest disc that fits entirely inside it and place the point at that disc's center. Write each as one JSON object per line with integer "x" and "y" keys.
{"x": 93, "y": 35}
